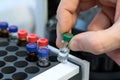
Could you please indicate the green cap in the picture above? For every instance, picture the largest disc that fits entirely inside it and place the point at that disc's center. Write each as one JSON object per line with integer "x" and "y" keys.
{"x": 67, "y": 36}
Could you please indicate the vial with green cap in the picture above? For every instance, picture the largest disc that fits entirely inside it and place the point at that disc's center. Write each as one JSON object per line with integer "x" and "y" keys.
{"x": 64, "y": 50}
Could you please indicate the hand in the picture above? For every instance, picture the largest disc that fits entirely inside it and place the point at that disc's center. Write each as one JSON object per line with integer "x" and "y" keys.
{"x": 103, "y": 34}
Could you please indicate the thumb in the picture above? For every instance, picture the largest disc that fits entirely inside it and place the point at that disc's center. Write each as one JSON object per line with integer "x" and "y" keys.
{"x": 96, "y": 42}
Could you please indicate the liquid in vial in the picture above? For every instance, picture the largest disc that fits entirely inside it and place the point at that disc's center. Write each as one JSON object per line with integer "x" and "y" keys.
{"x": 3, "y": 30}
{"x": 32, "y": 52}
{"x": 22, "y": 38}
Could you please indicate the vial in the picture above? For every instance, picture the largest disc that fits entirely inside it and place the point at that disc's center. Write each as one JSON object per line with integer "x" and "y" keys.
{"x": 64, "y": 50}
{"x": 43, "y": 57}
{"x": 32, "y": 52}
{"x": 42, "y": 42}
{"x": 4, "y": 31}
{"x": 32, "y": 38}
{"x": 22, "y": 38}
{"x": 13, "y": 33}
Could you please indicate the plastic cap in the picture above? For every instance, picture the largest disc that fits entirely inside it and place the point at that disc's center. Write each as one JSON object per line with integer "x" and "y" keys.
{"x": 43, "y": 42}
{"x": 67, "y": 36}
{"x": 31, "y": 47}
{"x": 3, "y": 25}
{"x": 32, "y": 38}
{"x": 43, "y": 52}
{"x": 13, "y": 28}
{"x": 22, "y": 33}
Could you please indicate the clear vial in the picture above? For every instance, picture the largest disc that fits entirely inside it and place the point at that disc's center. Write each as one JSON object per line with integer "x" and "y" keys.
{"x": 13, "y": 37}
{"x": 43, "y": 62}
{"x": 64, "y": 50}
{"x": 43, "y": 57}
{"x": 63, "y": 53}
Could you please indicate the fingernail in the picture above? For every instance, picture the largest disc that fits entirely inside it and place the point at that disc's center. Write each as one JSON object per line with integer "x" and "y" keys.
{"x": 74, "y": 45}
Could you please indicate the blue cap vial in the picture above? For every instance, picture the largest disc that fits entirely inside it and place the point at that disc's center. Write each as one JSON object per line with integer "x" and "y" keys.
{"x": 31, "y": 47}
{"x": 3, "y": 25}
{"x": 43, "y": 52}
{"x": 13, "y": 29}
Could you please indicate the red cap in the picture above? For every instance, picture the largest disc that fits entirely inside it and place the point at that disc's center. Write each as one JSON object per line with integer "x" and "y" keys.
{"x": 22, "y": 33}
{"x": 32, "y": 38}
{"x": 42, "y": 42}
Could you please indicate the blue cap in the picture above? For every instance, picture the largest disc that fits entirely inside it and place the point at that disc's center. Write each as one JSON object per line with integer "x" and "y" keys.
{"x": 13, "y": 28}
{"x": 43, "y": 52}
{"x": 31, "y": 47}
{"x": 3, "y": 25}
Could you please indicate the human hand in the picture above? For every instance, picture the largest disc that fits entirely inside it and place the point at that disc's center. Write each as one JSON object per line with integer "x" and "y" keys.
{"x": 103, "y": 32}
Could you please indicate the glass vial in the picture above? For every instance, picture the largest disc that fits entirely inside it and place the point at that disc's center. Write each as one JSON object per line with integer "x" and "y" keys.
{"x": 43, "y": 57}
{"x": 13, "y": 37}
{"x": 32, "y": 38}
{"x": 64, "y": 50}
{"x": 32, "y": 52}
{"x": 42, "y": 42}
{"x": 4, "y": 31}
{"x": 22, "y": 38}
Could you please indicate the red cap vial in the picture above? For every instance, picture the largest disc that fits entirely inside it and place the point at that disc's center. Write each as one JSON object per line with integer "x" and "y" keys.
{"x": 22, "y": 33}
{"x": 42, "y": 42}
{"x": 32, "y": 38}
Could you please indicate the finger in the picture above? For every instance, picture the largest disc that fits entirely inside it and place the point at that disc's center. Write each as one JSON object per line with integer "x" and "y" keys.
{"x": 86, "y": 4}
{"x": 108, "y": 3}
{"x": 117, "y": 14}
{"x": 109, "y": 12}
{"x": 100, "y": 22}
{"x": 67, "y": 15}
{"x": 96, "y": 42}
{"x": 115, "y": 55}
{"x": 88, "y": 41}
{"x": 59, "y": 37}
